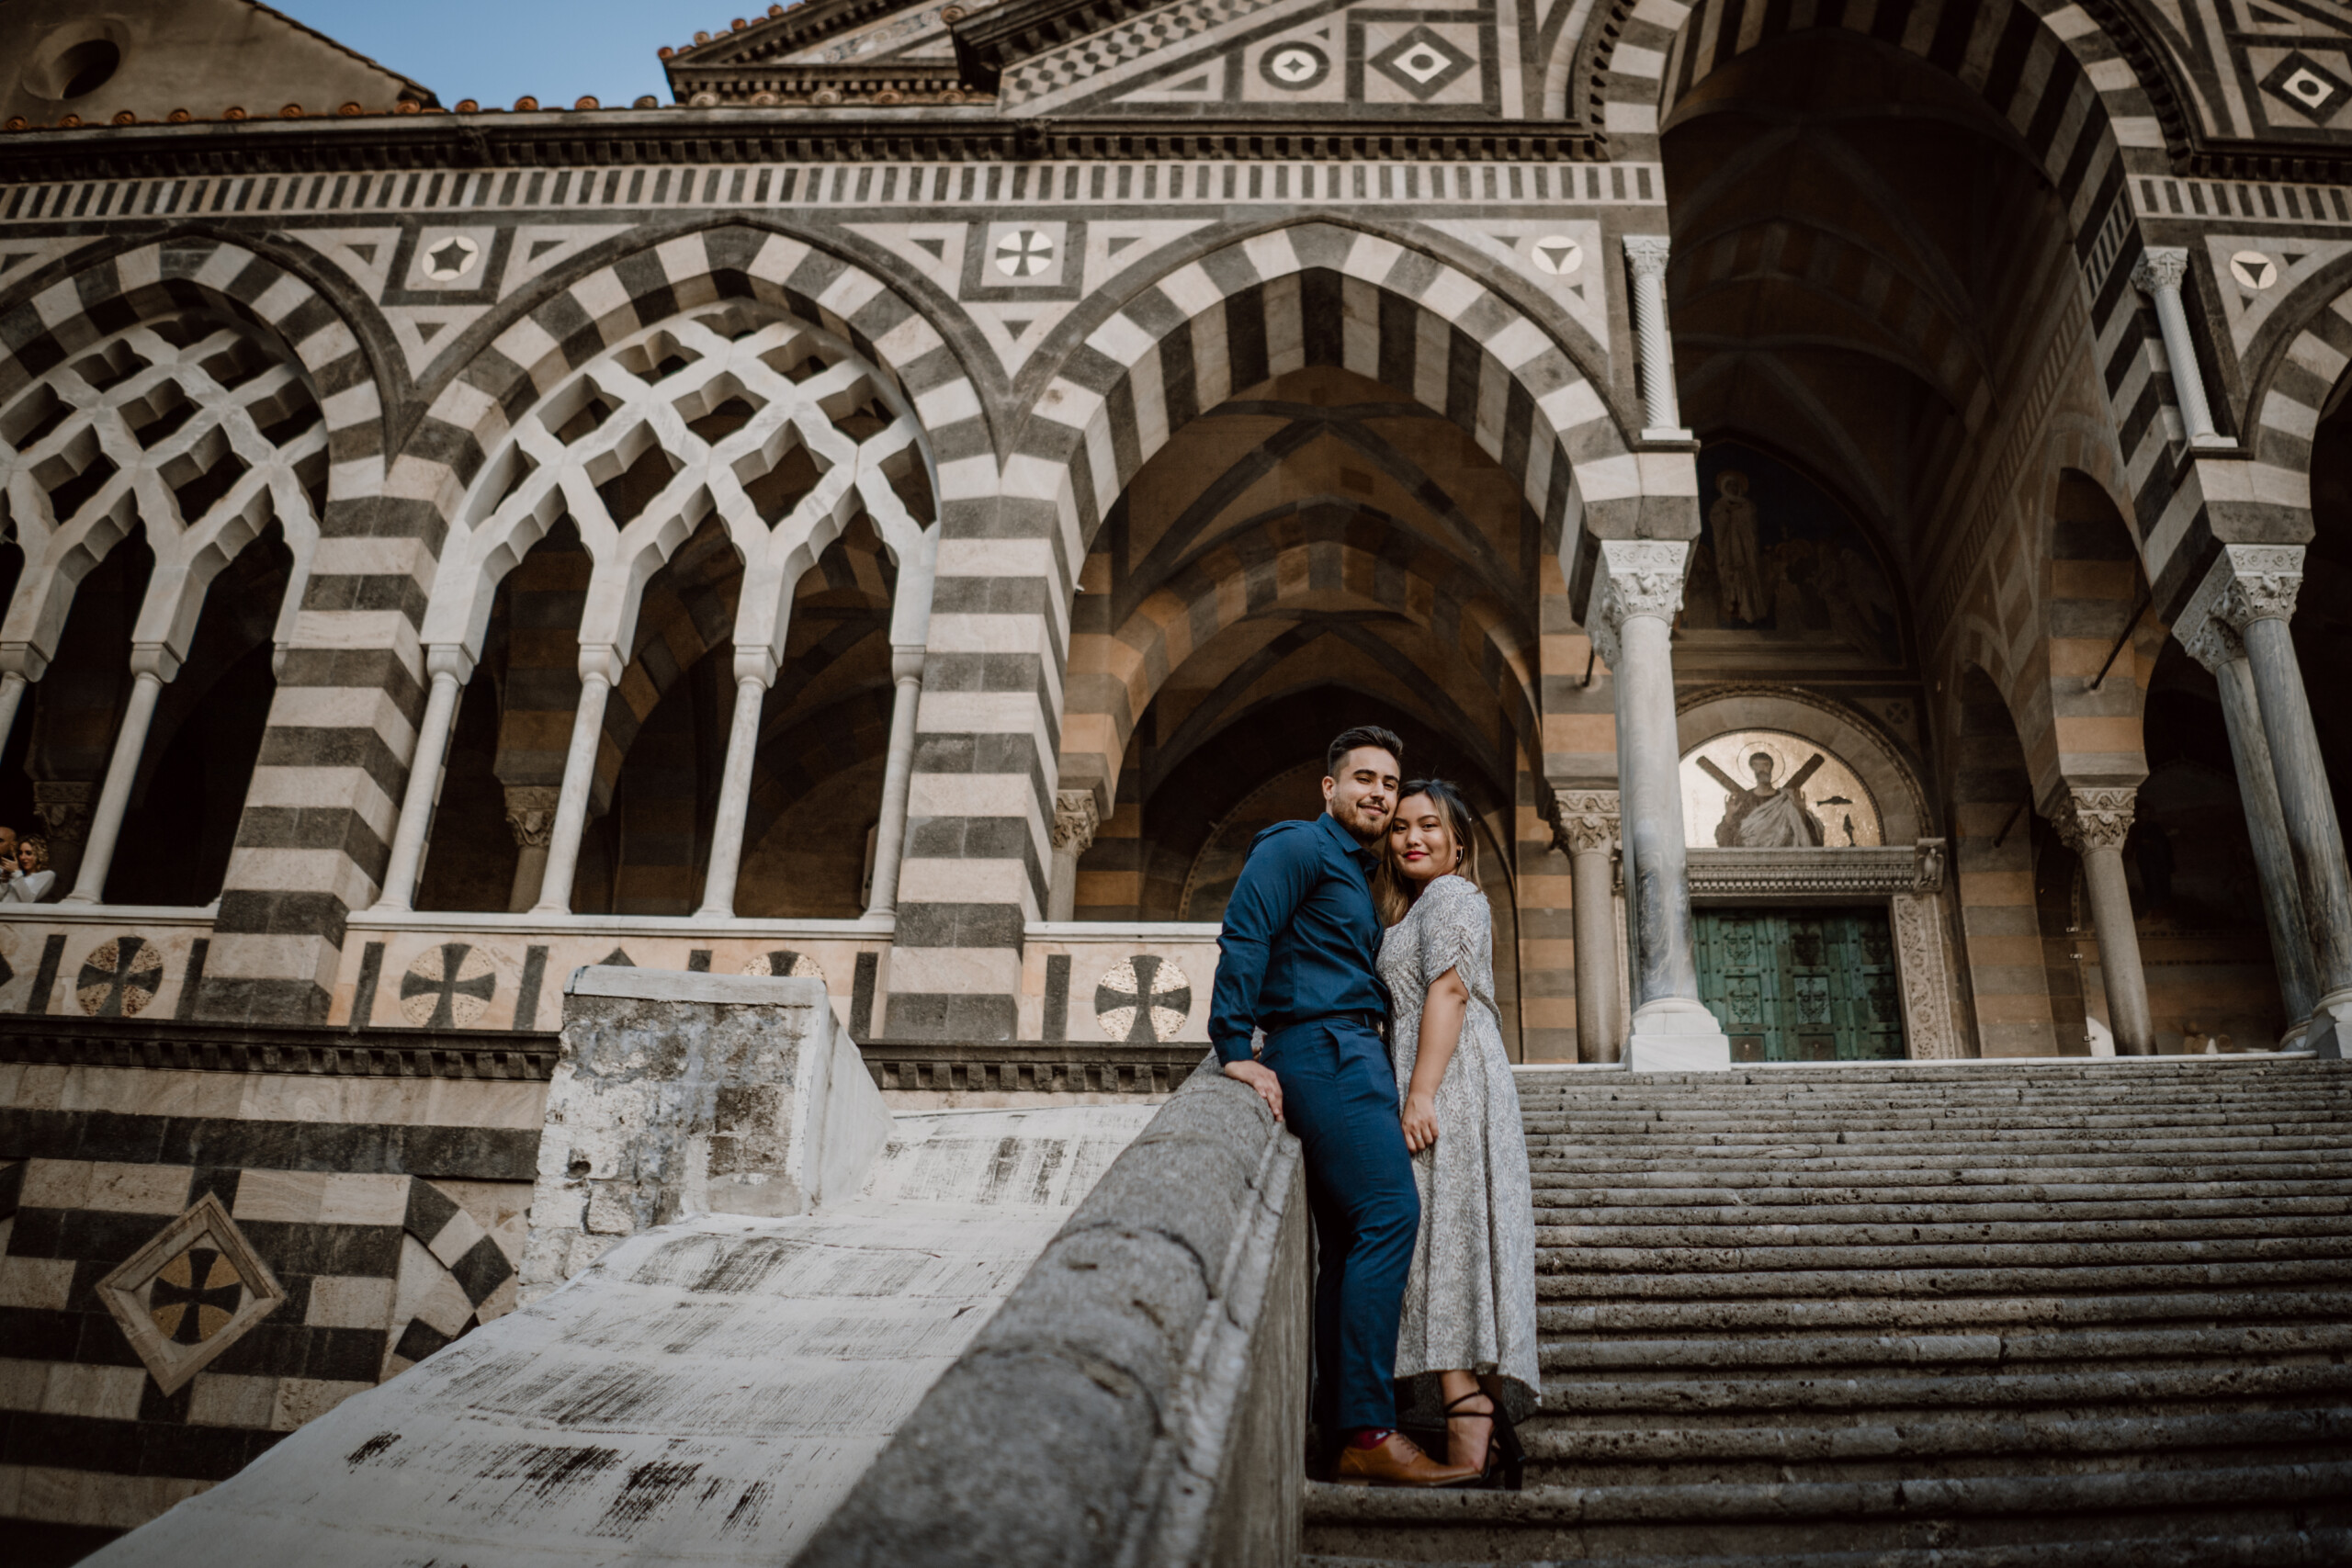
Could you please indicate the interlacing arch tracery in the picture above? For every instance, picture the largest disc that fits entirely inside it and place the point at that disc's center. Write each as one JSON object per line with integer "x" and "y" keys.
{"x": 190, "y": 423}
{"x": 774, "y": 426}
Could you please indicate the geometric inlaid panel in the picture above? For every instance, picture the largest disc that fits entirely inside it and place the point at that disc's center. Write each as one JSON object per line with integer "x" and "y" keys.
{"x": 190, "y": 1293}
{"x": 1143, "y": 1000}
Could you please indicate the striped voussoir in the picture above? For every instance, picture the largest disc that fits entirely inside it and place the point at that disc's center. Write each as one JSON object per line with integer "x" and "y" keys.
{"x": 2058, "y": 80}
{"x": 2295, "y": 388}
{"x": 318, "y": 811}
{"x": 1314, "y": 293}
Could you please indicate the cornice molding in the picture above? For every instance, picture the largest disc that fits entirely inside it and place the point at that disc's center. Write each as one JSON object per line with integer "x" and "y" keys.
{"x": 858, "y": 133}
{"x": 1817, "y": 873}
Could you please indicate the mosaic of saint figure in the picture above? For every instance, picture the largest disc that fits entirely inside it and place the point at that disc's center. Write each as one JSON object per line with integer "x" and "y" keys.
{"x": 1766, "y": 816}
{"x": 1739, "y": 563}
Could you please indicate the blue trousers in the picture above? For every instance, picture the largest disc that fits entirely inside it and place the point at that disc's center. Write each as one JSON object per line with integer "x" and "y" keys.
{"x": 1340, "y": 1099}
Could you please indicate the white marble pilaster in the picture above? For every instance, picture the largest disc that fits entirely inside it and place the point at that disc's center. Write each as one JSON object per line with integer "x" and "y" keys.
{"x": 1586, "y": 829}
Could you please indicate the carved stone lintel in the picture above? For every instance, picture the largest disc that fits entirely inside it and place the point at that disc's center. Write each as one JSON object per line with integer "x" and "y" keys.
{"x": 2089, "y": 819}
{"x": 1583, "y": 820}
{"x": 530, "y": 813}
{"x": 2161, "y": 266}
{"x": 1647, "y": 254}
{"x": 63, "y": 808}
{"x": 1636, "y": 577}
{"x": 1075, "y": 818}
{"x": 1815, "y": 873}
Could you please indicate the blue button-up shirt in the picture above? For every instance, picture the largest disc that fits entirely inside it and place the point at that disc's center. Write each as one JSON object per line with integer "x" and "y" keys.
{"x": 1300, "y": 937}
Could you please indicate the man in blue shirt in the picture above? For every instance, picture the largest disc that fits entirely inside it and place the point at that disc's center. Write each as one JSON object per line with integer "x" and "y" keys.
{"x": 1296, "y": 959}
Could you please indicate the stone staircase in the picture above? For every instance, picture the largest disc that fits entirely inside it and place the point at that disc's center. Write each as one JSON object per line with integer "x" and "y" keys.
{"x": 1888, "y": 1317}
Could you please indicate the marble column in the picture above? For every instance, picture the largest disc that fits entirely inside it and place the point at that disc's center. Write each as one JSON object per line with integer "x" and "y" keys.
{"x": 2213, "y": 643}
{"x": 2252, "y": 589}
{"x": 1075, "y": 820}
{"x": 151, "y": 666}
{"x": 1636, "y": 592}
{"x": 2094, "y": 823}
{"x": 450, "y": 668}
{"x": 1586, "y": 829}
{"x": 898, "y": 776}
{"x": 1647, "y": 255}
{"x": 12, "y": 697}
{"x": 530, "y": 817}
{"x": 2160, "y": 274}
{"x": 754, "y": 673}
{"x": 600, "y": 672}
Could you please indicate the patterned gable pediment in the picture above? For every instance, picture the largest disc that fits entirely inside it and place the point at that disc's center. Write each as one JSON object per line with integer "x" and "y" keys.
{"x": 1277, "y": 59}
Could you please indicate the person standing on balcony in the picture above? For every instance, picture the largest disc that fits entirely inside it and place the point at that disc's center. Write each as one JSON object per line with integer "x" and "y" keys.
{"x": 33, "y": 879}
{"x": 1296, "y": 959}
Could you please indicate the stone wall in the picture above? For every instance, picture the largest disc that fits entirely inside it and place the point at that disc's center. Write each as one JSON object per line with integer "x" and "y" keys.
{"x": 1141, "y": 1397}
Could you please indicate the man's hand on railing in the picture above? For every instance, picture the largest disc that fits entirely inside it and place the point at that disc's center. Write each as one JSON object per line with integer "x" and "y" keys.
{"x": 1261, "y": 1078}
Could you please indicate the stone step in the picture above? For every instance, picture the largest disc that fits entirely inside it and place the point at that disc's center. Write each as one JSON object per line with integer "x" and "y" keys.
{"x": 2053, "y": 1442}
{"x": 1585, "y": 1402}
{"x": 1568, "y": 1194}
{"x": 1765, "y": 1256}
{"x": 1973, "y": 1163}
{"x": 1813, "y": 1355}
{"x": 2291, "y": 1547}
{"x": 2320, "y": 1133}
{"x": 1731, "y": 1229}
{"x": 1788, "y": 1319}
{"x": 1560, "y": 1285}
{"x": 1726, "y": 1520}
{"x": 1983, "y": 1206}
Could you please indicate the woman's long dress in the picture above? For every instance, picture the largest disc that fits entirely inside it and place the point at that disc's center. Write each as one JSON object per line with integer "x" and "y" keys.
{"x": 1470, "y": 1300}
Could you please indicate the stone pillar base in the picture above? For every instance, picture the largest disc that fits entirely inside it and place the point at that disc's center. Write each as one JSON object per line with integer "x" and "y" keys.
{"x": 2328, "y": 1031}
{"x": 1674, "y": 1034}
{"x": 683, "y": 1094}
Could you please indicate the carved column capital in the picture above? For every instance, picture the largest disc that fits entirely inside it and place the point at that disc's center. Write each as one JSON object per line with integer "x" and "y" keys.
{"x": 530, "y": 813}
{"x": 1583, "y": 820}
{"x": 1647, "y": 254}
{"x": 2161, "y": 266}
{"x": 1075, "y": 820}
{"x": 2251, "y": 582}
{"x": 2209, "y": 640}
{"x": 1636, "y": 577}
{"x": 63, "y": 808}
{"x": 2089, "y": 819}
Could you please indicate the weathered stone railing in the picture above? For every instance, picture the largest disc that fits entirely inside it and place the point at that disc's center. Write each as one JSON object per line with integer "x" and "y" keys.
{"x": 1141, "y": 1397}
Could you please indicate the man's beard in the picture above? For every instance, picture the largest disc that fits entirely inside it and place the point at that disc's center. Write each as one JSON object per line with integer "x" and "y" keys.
{"x": 1353, "y": 818}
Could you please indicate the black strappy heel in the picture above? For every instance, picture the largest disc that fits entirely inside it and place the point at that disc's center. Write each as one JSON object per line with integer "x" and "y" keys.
{"x": 1505, "y": 1459}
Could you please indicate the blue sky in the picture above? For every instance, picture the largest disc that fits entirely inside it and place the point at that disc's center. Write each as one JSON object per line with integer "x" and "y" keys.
{"x": 496, "y": 50}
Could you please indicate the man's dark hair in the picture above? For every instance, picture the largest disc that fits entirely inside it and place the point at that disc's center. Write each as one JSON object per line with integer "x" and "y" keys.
{"x": 1362, "y": 735}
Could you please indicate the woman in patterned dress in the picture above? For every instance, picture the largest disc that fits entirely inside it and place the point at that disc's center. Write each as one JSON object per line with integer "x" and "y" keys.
{"x": 1466, "y": 1345}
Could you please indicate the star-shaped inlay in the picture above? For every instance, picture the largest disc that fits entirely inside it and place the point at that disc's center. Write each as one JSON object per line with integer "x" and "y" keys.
{"x": 451, "y": 259}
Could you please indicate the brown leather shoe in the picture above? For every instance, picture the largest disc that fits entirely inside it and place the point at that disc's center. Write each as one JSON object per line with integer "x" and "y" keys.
{"x": 1398, "y": 1461}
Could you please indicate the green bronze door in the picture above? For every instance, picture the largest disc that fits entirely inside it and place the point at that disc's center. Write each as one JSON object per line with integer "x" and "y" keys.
{"x": 1810, "y": 986}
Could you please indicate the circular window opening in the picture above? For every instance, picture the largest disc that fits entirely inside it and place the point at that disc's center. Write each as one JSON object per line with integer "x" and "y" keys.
{"x": 86, "y": 67}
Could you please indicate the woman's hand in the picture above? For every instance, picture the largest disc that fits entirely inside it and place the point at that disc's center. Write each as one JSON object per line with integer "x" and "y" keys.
{"x": 1420, "y": 1122}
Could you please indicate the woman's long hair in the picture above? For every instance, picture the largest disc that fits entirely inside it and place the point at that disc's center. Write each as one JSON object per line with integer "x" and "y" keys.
{"x": 1392, "y": 892}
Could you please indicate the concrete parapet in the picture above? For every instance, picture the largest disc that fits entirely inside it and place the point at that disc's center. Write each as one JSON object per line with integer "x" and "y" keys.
{"x": 1141, "y": 1396}
{"x": 681, "y": 1094}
